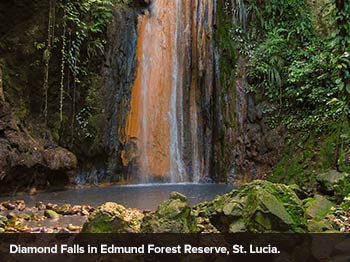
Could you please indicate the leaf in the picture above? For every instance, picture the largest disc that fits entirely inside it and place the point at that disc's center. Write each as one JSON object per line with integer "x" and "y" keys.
{"x": 347, "y": 88}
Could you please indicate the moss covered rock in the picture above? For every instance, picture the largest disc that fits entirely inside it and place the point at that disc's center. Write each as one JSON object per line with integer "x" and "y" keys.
{"x": 174, "y": 215}
{"x": 327, "y": 180}
{"x": 260, "y": 206}
{"x": 51, "y": 214}
{"x": 318, "y": 207}
{"x": 113, "y": 218}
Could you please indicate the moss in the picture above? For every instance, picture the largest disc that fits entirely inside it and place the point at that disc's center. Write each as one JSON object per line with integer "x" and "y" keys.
{"x": 342, "y": 188}
{"x": 318, "y": 208}
{"x": 306, "y": 154}
{"x": 173, "y": 216}
{"x": 260, "y": 206}
{"x": 113, "y": 218}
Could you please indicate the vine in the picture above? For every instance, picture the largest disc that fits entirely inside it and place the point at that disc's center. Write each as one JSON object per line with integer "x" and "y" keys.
{"x": 47, "y": 54}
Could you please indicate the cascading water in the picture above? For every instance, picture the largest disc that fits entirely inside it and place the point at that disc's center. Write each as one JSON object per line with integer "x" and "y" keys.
{"x": 170, "y": 119}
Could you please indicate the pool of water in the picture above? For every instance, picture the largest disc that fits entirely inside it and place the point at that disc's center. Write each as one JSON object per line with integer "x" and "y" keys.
{"x": 146, "y": 196}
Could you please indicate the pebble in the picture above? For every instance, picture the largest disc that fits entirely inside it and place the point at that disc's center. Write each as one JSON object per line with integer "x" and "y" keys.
{"x": 20, "y": 205}
{"x": 73, "y": 228}
{"x": 51, "y": 214}
{"x": 9, "y": 205}
{"x": 11, "y": 216}
{"x": 75, "y": 210}
{"x": 36, "y": 229}
{"x": 3, "y": 219}
{"x": 64, "y": 230}
{"x": 51, "y": 206}
{"x": 41, "y": 212}
{"x": 40, "y": 206}
{"x": 24, "y": 216}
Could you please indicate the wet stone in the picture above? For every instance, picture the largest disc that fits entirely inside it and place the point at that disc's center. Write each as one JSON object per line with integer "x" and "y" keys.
{"x": 51, "y": 214}
{"x": 40, "y": 206}
{"x": 9, "y": 205}
{"x": 63, "y": 210}
{"x": 24, "y": 216}
{"x": 20, "y": 205}
{"x": 52, "y": 206}
{"x": 73, "y": 228}
{"x": 11, "y": 216}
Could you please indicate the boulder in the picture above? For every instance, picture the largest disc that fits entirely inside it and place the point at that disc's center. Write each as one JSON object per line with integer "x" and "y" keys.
{"x": 260, "y": 206}
{"x": 27, "y": 162}
{"x": 318, "y": 207}
{"x": 327, "y": 180}
{"x": 51, "y": 214}
{"x": 174, "y": 216}
{"x": 113, "y": 218}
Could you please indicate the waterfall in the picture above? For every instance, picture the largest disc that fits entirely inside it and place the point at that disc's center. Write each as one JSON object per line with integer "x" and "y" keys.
{"x": 172, "y": 74}
{"x": 177, "y": 171}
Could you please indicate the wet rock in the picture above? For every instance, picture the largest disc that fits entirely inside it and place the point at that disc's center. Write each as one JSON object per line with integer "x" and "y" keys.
{"x": 73, "y": 228}
{"x": 24, "y": 216}
{"x": 24, "y": 160}
{"x": 34, "y": 217}
{"x": 51, "y": 214}
{"x": 44, "y": 230}
{"x": 174, "y": 216}
{"x": 113, "y": 218}
{"x": 11, "y": 216}
{"x": 36, "y": 229}
{"x": 260, "y": 206}
{"x": 63, "y": 210}
{"x": 11, "y": 230}
{"x": 3, "y": 221}
{"x": 75, "y": 210}
{"x": 20, "y": 205}
{"x": 64, "y": 230}
{"x": 40, "y": 206}
{"x": 9, "y": 205}
{"x": 51, "y": 206}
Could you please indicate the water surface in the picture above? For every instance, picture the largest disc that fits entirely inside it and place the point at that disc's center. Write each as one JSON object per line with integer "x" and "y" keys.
{"x": 142, "y": 196}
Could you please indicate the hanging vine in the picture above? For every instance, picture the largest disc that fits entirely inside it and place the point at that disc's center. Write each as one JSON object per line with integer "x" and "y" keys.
{"x": 47, "y": 54}
{"x": 63, "y": 63}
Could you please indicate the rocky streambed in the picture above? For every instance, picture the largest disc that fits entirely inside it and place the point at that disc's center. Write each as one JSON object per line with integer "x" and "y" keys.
{"x": 260, "y": 206}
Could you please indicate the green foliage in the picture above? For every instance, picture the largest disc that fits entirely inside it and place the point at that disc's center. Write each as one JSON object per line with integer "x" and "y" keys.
{"x": 342, "y": 46}
{"x": 86, "y": 21}
{"x": 292, "y": 66}
{"x": 39, "y": 46}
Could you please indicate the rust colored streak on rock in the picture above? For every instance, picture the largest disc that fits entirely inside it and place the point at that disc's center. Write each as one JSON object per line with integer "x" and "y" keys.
{"x": 148, "y": 120}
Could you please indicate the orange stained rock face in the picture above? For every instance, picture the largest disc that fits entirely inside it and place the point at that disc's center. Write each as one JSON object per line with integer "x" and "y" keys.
{"x": 148, "y": 120}
{"x": 174, "y": 55}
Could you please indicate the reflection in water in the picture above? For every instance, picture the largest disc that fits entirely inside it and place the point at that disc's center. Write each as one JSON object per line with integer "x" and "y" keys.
{"x": 134, "y": 196}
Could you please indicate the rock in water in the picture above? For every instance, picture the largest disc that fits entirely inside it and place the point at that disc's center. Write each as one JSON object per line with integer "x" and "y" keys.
{"x": 51, "y": 214}
{"x": 260, "y": 206}
{"x": 174, "y": 216}
{"x": 113, "y": 218}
